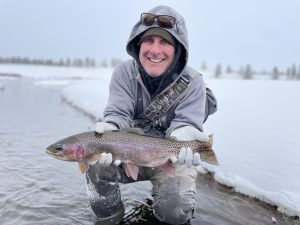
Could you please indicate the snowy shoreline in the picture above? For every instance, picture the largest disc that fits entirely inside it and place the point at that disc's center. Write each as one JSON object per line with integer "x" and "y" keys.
{"x": 255, "y": 128}
{"x": 276, "y": 198}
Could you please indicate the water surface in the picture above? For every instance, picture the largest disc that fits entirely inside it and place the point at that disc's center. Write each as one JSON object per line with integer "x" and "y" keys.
{"x": 37, "y": 189}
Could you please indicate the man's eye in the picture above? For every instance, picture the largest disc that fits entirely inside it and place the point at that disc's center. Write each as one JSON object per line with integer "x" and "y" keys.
{"x": 164, "y": 42}
{"x": 148, "y": 40}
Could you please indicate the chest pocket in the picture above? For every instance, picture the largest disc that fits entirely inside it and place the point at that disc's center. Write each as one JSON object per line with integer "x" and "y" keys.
{"x": 161, "y": 104}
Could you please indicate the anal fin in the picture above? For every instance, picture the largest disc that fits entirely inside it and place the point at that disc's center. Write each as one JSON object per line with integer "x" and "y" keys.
{"x": 168, "y": 168}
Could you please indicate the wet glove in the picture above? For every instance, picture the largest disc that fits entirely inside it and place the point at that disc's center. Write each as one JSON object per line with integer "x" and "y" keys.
{"x": 106, "y": 158}
{"x": 186, "y": 155}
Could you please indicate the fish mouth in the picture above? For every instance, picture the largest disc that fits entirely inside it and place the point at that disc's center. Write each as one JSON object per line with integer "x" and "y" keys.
{"x": 57, "y": 155}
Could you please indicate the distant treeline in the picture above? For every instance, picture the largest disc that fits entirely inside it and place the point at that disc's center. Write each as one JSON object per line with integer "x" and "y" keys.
{"x": 247, "y": 72}
{"x": 77, "y": 62}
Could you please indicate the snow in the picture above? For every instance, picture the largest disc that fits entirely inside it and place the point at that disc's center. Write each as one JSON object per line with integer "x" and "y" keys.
{"x": 255, "y": 128}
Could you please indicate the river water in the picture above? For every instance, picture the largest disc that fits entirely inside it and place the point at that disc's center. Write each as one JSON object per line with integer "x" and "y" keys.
{"x": 37, "y": 189}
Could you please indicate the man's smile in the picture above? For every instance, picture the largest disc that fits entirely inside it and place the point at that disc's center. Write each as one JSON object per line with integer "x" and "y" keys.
{"x": 154, "y": 60}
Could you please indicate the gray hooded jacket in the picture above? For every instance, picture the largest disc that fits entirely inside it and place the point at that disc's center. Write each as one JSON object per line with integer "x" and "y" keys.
{"x": 124, "y": 99}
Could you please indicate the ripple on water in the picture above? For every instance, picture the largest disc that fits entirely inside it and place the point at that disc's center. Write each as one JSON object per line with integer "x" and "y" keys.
{"x": 50, "y": 206}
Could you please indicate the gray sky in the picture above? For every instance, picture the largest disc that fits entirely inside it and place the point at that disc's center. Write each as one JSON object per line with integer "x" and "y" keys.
{"x": 263, "y": 33}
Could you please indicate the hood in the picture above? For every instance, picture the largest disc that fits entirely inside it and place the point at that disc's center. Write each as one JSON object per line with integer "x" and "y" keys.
{"x": 179, "y": 32}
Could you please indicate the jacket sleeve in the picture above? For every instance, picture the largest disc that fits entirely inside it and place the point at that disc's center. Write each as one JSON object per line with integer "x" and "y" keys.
{"x": 211, "y": 105}
{"x": 120, "y": 106}
{"x": 190, "y": 110}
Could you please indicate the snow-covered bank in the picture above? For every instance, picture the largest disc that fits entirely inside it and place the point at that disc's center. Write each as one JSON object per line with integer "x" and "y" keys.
{"x": 256, "y": 134}
{"x": 89, "y": 96}
{"x": 1, "y": 87}
{"x": 255, "y": 131}
{"x": 52, "y": 72}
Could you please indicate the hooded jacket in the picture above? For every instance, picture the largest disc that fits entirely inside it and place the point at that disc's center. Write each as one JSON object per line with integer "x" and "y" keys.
{"x": 124, "y": 99}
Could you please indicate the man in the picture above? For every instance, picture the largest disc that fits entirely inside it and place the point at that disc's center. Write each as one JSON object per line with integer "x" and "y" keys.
{"x": 158, "y": 45}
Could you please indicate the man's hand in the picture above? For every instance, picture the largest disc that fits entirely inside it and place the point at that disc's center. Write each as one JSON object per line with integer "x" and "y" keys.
{"x": 106, "y": 158}
{"x": 188, "y": 133}
{"x": 100, "y": 127}
{"x": 186, "y": 155}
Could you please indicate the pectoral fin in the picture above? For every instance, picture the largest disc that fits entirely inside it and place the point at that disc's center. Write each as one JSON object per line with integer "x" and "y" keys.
{"x": 83, "y": 166}
{"x": 131, "y": 170}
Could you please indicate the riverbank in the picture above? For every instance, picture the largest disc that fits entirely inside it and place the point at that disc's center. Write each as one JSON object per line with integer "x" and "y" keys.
{"x": 255, "y": 129}
{"x": 255, "y": 136}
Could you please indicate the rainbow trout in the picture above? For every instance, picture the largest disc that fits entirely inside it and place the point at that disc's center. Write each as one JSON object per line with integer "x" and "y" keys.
{"x": 129, "y": 146}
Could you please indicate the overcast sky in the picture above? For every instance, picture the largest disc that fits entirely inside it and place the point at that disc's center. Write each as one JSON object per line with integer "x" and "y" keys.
{"x": 263, "y": 33}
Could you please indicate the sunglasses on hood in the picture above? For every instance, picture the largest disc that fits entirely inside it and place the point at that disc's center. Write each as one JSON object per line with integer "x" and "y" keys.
{"x": 164, "y": 21}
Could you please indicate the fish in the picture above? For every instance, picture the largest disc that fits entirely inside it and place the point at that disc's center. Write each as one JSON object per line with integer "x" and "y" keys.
{"x": 131, "y": 147}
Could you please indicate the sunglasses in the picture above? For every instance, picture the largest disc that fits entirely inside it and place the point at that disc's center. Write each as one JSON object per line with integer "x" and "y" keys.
{"x": 162, "y": 20}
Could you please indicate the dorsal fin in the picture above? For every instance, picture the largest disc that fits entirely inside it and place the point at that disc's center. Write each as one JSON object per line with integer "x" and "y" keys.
{"x": 171, "y": 138}
{"x": 134, "y": 130}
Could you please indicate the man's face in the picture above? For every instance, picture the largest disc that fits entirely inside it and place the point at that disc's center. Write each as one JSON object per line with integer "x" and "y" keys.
{"x": 156, "y": 55}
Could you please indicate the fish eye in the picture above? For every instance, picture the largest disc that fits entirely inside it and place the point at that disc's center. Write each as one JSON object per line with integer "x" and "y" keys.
{"x": 58, "y": 147}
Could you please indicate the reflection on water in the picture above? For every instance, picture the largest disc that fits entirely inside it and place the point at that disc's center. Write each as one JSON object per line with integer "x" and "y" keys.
{"x": 37, "y": 189}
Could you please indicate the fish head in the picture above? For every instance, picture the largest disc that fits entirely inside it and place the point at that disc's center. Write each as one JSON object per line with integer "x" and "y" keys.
{"x": 68, "y": 149}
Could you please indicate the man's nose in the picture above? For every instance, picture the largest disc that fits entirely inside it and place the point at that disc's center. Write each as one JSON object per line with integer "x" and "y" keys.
{"x": 156, "y": 47}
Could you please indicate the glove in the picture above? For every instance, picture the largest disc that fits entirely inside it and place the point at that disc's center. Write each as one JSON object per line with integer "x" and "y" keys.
{"x": 188, "y": 133}
{"x": 106, "y": 158}
{"x": 186, "y": 155}
{"x": 100, "y": 127}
